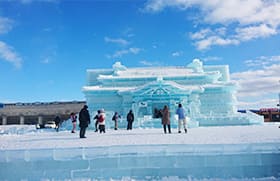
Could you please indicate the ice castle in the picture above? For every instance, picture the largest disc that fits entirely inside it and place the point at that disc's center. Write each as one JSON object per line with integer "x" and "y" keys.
{"x": 206, "y": 93}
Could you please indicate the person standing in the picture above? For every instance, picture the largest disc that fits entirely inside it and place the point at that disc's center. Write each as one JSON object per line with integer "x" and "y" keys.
{"x": 84, "y": 119}
{"x": 57, "y": 121}
{"x": 96, "y": 120}
{"x": 181, "y": 118}
{"x": 73, "y": 118}
{"x": 115, "y": 119}
{"x": 101, "y": 121}
{"x": 130, "y": 119}
{"x": 165, "y": 119}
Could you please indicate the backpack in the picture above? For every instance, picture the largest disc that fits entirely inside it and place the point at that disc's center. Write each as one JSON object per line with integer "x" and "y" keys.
{"x": 101, "y": 118}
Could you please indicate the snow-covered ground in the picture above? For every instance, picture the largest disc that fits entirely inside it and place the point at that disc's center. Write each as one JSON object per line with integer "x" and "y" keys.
{"x": 204, "y": 153}
{"x": 27, "y": 137}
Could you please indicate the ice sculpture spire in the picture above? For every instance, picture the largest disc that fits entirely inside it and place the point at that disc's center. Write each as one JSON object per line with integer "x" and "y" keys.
{"x": 118, "y": 66}
{"x": 196, "y": 65}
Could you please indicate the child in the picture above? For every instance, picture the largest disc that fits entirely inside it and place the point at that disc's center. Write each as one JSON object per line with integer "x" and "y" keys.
{"x": 96, "y": 120}
{"x": 101, "y": 121}
{"x": 115, "y": 119}
{"x": 73, "y": 117}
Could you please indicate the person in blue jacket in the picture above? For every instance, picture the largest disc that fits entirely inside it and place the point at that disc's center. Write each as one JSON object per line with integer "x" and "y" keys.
{"x": 181, "y": 118}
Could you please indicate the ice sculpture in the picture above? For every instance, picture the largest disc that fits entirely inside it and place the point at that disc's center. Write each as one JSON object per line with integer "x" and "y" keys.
{"x": 206, "y": 93}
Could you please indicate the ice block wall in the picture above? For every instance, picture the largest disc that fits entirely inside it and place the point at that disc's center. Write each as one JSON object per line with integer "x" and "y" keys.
{"x": 240, "y": 161}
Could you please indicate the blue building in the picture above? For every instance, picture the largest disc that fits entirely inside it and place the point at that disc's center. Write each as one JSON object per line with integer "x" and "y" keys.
{"x": 206, "y": 93}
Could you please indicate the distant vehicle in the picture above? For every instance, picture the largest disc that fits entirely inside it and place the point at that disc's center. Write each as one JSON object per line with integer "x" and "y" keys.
{"x": 49, "y": 124}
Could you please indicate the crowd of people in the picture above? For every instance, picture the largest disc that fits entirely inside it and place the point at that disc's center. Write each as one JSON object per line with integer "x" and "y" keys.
{"x": 100, "y": 117}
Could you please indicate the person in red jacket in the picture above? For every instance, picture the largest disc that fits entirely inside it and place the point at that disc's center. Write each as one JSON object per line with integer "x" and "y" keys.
{"x": 101, "y": 121}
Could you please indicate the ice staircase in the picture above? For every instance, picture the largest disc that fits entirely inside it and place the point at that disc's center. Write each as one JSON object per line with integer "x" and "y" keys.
{"x": 148, "y": 122}
{"x": 235, "y": 119}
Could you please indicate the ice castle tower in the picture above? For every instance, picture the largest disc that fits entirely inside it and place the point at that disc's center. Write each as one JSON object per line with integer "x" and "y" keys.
{"x": 206, "y": 93}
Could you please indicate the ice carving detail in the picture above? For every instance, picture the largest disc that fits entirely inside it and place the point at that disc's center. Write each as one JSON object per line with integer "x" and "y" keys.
{"x": 196, "y": 65}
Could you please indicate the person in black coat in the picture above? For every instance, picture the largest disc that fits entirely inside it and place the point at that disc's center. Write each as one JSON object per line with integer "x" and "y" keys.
{"x": 84, "y": 119}
{"x": 57, "y": 121}
{"x": 130, "y": 119}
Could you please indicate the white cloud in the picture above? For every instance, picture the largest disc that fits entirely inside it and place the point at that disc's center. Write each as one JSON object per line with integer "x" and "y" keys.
{"x": 134, "y": 50}
{"x": 258, "y": 82}
{"x": 6, "y": 25}
{"x": 264, "y": 103}
{"x": 120, "y": 53}
{"x": 214, "y": 40}
{"x": 253, "y": 32}
{"x": 261, "y": 85}
{"x": 200, "y": 34}
{"x": 262, "y": 61}
{"x": 8, "y": 54}
{"x": 119, "y": 41}
{"x": 224, "y": 12}
{"x": 150, "y": 63}
{"x": 177, "y": 53}
{"x": 159, "y": 5}
{"x": 206, "y": 38}
{"x": 211, "y": 58}
{"x": 240, "y": 11}
{"x": 250, "y": 19}
{"x": 207, "y": 32}
{"x": 128, "y": 32}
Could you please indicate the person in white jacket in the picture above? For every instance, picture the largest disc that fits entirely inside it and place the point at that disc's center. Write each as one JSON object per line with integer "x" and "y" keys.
{"x": 101, "y": 121}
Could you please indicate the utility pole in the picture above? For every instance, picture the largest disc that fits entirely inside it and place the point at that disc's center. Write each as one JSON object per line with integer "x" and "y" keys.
{"x": 278, "y": 100}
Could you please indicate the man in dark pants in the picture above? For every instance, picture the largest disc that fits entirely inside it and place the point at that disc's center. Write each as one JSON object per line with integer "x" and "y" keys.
{"x": 130, "y": 119}
{"x": 84, "y": 119}
{"x": 57, "y": 121}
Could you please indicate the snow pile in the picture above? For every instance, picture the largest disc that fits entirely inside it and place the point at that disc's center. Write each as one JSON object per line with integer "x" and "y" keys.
{"x": 17, "y": 129}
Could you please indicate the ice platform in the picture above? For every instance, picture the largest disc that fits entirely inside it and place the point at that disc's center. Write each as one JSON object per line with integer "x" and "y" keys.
{"x": 210, "y": 153}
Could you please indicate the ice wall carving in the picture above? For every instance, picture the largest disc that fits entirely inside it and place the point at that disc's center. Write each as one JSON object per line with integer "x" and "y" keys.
{"x": 206, "y": 93}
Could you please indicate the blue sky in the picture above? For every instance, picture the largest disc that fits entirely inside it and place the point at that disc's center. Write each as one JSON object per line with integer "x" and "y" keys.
{"x": 46, "y": 46}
